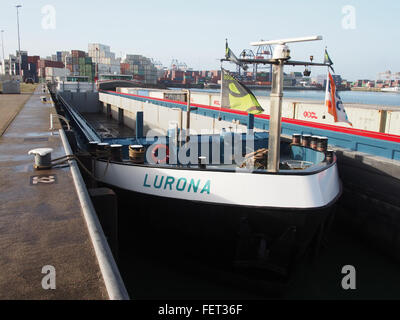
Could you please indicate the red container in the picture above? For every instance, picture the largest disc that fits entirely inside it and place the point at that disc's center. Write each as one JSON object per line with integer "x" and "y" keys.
{"x": 48, "y": 63}
{"x": 33, "y": 59}
{"x": 78, "y": 53}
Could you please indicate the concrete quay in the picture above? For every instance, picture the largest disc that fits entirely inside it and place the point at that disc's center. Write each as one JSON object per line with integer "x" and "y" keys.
{"x": 42, "y": 222}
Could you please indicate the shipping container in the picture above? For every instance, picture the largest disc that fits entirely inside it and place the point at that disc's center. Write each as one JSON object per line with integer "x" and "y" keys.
{"x": 78, "y": 53}
{"x": 144, "y": 93}
{"x": 175, "y": 96}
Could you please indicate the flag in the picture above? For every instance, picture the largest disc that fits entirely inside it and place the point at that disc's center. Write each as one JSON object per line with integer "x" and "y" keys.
{"x": 235, "y": 95}
{"x": 327, "y": 60}
{"x": 334, "y": 103}
{"x": 229, "y": 55}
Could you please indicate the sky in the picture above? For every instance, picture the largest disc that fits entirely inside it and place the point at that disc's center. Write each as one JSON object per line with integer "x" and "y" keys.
{"x": 362, "y": 37}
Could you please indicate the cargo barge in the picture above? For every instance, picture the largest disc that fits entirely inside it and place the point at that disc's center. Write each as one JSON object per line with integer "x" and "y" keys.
{"x": 227, "y": 195}
{"x": 253, "y": 218}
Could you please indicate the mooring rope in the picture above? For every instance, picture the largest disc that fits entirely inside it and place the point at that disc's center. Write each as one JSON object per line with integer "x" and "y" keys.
{"x": 99, "y": 155}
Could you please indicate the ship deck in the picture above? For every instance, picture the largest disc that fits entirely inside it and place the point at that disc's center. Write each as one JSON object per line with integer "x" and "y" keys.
{"x": 108, "y": 128}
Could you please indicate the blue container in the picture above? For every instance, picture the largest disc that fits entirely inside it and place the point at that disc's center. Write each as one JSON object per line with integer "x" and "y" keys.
{"x": 144, "y": 93}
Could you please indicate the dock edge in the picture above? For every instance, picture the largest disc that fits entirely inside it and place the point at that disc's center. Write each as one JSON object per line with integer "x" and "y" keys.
{"x": 108, "y": 267}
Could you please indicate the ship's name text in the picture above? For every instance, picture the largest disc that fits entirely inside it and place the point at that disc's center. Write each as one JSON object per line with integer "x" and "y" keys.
{"x": 181, "y": 184}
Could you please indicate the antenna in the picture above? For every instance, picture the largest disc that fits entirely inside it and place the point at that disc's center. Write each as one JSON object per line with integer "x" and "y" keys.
{"x": 284, "y": 41}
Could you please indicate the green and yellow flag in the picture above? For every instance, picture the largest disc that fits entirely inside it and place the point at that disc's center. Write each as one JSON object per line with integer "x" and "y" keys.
{"x": 230, "y": 56}
{"x": 236, "y": 95}
{"x": 328, "y": 60}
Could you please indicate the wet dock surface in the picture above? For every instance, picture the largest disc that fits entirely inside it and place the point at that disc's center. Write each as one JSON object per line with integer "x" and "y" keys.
{"x": 10, "y": 105}
{"x": 41, "y": 223}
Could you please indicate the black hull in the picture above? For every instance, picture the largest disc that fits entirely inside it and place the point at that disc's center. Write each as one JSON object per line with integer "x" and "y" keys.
{"x": 229, "y": 236}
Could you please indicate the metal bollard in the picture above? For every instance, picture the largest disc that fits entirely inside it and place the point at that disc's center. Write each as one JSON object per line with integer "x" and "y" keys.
{"x": 202, "y": 162}
{"x": 296, "y": 139}
{"x": 92, "y": 147}
{"x": 322, "y": 144}
{"x": 329, "y": 156}
{"x": 42, "y": 158}
{"x": 306, "y": 140}
{"x": 314, "y": 141}
{"x": 116, "y": 152}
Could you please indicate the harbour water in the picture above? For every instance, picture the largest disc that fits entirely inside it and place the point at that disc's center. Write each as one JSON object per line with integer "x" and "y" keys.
{"x": 161, "y": 270}
{"x": 359, "y": 97}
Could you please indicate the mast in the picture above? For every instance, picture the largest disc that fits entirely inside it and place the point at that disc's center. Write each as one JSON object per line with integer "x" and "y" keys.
{"x": 220, "y": 93}
{"x": 222, "y": 79}
{"x": 280, "y": 56}
{"x": 275, "y": 125}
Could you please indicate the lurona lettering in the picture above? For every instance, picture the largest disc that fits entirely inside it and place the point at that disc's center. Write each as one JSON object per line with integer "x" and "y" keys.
{"x": 181, "y": 184}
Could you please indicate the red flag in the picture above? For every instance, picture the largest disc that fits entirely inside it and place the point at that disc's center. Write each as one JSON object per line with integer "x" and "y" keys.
{"x": 334, "y": 103}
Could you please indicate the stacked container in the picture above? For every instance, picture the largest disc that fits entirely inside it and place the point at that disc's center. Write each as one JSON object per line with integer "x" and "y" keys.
{"x": 80, "y": 65}
{"x": 141, "y": 68}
